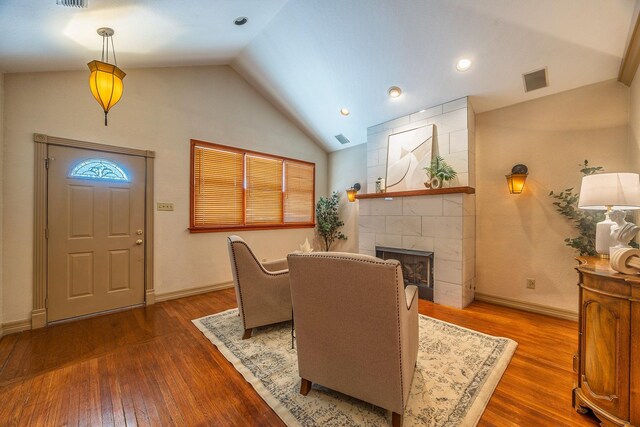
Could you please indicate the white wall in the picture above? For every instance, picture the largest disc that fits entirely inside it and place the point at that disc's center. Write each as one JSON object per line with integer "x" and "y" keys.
{"x": 522, "y": 236}
{"x": 161, "y": 110}
{"x": 634, "y": 124}
{"x": 346, "y": 167}
{"x": 1, "y": 194}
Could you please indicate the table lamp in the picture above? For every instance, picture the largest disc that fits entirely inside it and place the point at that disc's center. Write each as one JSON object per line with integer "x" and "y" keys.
{"x": 608, "y": 192}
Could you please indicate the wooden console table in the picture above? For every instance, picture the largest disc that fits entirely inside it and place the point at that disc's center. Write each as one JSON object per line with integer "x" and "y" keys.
{"x": 608, "y": 358}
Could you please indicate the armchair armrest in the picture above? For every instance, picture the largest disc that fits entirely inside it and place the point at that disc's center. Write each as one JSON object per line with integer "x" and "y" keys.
{"x": 276, "y": 265}
{"x": 409, "y": 336}
{"x": 410, "y": 294}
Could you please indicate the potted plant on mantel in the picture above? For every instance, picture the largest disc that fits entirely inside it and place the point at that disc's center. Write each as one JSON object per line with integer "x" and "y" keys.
{"x": 438, "y": 173}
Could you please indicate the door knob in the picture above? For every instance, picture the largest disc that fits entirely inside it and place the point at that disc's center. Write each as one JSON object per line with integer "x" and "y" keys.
{"x": 139, "y": 242}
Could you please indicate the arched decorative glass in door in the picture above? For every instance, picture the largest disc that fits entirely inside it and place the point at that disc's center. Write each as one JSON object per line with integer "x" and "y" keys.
{"x": 99, "y": 169}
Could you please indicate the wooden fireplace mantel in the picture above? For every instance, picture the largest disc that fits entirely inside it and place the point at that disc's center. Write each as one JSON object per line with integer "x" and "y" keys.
{"x": 425, "y": 192}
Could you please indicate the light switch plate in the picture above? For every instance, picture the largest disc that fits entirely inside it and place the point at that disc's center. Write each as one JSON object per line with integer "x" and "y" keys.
{"x": 164, "y": 206}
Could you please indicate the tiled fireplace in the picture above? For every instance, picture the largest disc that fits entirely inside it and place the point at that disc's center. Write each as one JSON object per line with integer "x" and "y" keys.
{"x": 417, "y": 268}
{"x": 438, "y": 221}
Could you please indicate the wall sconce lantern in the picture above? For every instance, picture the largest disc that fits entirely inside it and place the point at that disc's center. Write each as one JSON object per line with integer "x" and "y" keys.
{"x": 517, "y": 179}
{"x": 105, "y": 80}
{"x": 351, "y": 192}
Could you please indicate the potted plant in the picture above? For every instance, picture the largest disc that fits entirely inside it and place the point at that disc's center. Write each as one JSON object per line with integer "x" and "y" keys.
{"x": 328, "y": 221}
{"x": 584, "y": 220}
{"x": 439, "y": 172}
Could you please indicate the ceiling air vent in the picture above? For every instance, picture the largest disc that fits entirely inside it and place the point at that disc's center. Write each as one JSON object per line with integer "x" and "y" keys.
{"x": 342, "y": 139}
{"x": 73, "y": 3}
{"x": 535, "y": 80}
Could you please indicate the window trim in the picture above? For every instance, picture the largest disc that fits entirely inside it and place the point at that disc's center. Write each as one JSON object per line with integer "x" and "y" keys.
{"x": 208, "y": 229}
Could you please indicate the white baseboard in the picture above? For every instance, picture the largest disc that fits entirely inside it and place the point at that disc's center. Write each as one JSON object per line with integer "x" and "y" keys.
{"x": 15, "y": 327}
{"x": 528, "y": 306}
{"x": 192, "y": 291}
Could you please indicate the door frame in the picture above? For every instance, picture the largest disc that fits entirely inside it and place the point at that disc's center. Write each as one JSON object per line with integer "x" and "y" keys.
{"x": 40, "y": 219}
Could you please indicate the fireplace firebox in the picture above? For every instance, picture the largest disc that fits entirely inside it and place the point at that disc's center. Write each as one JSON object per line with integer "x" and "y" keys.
{"x": 417, "y": 268}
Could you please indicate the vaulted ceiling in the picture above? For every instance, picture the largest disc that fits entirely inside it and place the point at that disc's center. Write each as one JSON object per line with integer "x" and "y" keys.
{"x": 311, "y": 58}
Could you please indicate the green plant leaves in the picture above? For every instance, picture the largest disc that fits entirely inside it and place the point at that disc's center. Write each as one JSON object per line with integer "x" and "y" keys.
{"x": 328, "y": 220}
{"x": 584, "y": 221}
{"x": 440, "y": 169}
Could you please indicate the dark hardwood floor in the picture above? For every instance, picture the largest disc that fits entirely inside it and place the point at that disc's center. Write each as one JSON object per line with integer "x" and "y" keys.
{"x": 152, "y": 367}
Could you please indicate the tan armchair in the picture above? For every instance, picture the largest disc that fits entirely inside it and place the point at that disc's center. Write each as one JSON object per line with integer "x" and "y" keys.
{"x": 262, "y": 289}
{"x": 356, "y": 327}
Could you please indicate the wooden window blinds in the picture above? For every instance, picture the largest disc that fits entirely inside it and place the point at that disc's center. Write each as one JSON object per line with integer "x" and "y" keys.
{"x": 235, "y": 189}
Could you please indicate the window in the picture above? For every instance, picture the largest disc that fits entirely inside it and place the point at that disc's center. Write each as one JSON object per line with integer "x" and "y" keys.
{"x": 234, "y": 189}
{"x": 98, "y": 169}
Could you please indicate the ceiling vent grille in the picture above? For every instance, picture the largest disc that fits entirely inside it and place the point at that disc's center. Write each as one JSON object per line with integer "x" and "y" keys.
{"x": 342, "y": 139}
{"x": 73, "y": 3}
{"x": 535, "y": 80}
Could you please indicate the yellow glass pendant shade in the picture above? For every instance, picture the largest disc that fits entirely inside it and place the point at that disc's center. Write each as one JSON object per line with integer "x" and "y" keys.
{"x": 106, "y": 84}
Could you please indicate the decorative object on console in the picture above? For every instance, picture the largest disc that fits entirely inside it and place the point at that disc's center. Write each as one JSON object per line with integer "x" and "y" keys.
{"x": 351, "y": 192}
{"x": 328, "y": 220}
{"x": 609, "y": 191}
{"x": 380, "y": 187}
{"x": 626, "y": 260}
{"x": 622, "y": 231}
{"x": 517, "y": 178}
{"x": 105, "y": 79}
{"x": 584, "y": 221}
{"x": 439, "y": 172}
{"x": 408, "y": 153}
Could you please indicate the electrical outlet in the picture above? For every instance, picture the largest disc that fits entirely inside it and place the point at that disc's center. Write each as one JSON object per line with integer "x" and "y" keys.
{"x": 531, "y": 283}
{"x": 164, "y": 206}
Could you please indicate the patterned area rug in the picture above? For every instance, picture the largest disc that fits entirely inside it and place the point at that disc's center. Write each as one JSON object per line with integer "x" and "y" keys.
{"x": 458, "y": 370}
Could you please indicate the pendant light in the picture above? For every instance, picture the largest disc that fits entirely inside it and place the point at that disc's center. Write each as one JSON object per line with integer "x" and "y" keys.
{"x": 105, "y": 79}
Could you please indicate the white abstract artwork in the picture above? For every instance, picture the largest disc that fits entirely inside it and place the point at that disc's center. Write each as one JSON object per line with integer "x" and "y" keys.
{"x": 408, "y": 153}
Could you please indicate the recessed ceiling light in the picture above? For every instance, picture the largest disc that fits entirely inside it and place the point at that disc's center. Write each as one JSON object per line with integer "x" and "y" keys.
{"x": 394, "y": 91}
{"x": 463, "y": 64}
{"x": 241, "y": 20}
{"x": 344, "y": 111}
{"x": 422, "y": 111}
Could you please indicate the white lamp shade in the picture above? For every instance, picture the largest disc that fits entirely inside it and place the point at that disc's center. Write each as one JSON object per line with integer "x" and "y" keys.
{"x": 621, "y": 191}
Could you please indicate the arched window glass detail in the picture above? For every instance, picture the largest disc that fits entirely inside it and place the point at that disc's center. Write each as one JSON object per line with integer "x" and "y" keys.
{"x": 99, "y": 169}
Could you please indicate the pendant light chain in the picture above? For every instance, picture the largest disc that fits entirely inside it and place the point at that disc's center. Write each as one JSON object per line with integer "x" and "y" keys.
{"x": 102, "y": 56}
{"x": 105, "y": 48}
{"x": 113, "y": 48}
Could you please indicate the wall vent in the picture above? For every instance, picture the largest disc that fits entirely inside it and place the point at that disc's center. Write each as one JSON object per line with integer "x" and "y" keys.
{"x": 73, "y": 3}
{"x": 535, "y": 80}
{"x": 342, "y": 139}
